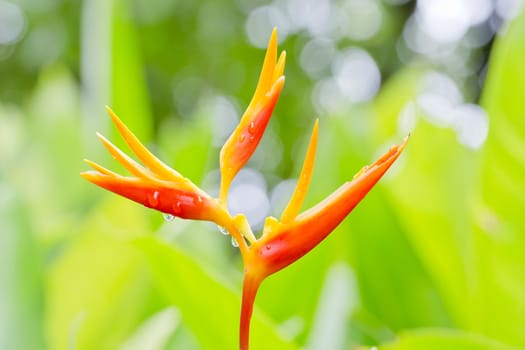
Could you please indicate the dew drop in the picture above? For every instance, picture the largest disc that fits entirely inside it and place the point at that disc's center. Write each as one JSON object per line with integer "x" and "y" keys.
{"x": 200, "y": 200}
{"x": 251, "y": 127}
{"x": 153, "y": 199}
{"x": 168, "y": 217}
{"x": 223, "y": 230}
{"x": 268, "y": 247}
{"x": 242, "y": 138}
{"x": 177, "y": 207}
{"x": 234, "y": 242}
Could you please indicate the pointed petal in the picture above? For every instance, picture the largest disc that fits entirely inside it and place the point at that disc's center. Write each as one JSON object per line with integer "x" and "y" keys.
{"x": 303, "y": 183}
{"x": 132, "y": 166}
{"x": 289, "y": 242}
{"x": 162, "y": 196}
{"x": 279, "y": 67}
{"x": 100, "y": 168}
{"x": 242, "y": 143}
{"x": 241, "y": 222}
{"x": 149, "y": 160}
{"x": 344, "y": 199}
{"x": 245, "y": 138}
{"x": 266, "y": 76}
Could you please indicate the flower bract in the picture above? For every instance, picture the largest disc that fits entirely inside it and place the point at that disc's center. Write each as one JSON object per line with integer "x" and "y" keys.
{"x": 283, "y": 241}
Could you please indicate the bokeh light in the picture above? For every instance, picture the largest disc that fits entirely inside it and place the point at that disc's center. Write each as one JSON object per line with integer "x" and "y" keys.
{"x": 360, "y": 19}
{"x": 248, "y": 196}
{"x": 471, "y": 124}
{"x": 357, "y": 75}
{"x": 12, "y": 23}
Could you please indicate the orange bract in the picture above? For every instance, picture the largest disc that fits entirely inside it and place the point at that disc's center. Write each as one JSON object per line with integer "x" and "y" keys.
{"x": 157, "y": 186}
{"x": 244, "y": 140}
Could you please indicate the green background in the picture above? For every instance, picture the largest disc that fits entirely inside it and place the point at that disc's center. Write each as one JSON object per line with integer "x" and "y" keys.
{"x": 431, "y": 259}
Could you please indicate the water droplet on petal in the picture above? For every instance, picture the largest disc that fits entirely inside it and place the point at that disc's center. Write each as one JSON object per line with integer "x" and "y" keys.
{"x": 199, "y": 200}
{"x": 177, "y": 208}
{"x": 153, "y": 199}
{"x": 268, "y": 247}
{"x": 251, "y": 127}
{"x": 168, "y": 217}
{"x": 242, "y": 138}
{"x": 223, "y": 230}
{"x": 234, "y": 242}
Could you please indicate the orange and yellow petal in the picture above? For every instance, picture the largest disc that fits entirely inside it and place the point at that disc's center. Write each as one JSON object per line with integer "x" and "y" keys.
{"x": 146, "y": 157}
{"x": 243, "y": 142}
{"x": 289, "y": 242}
{"x": 293, "y": 207}
{"x": 266, "y": 78}
{"x": 165, "y": 197}
{"x": 246, "y": 137}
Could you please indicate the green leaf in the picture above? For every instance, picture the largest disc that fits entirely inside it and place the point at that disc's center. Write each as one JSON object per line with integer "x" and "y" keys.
{"x": 129, "y": 95}
{"x": 100, "y": 289}
{"x": 430, "y": 191}
{"x": 395, "y": 286}
{"x": 431, "y": 194}
{"x": 439, "y": 339}
{"x": 208, "y": 308}
{"x": 21, "y": 276}
{"x": 498, "y": 214}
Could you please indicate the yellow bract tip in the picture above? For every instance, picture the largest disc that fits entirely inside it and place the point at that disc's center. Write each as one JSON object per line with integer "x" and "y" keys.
{"x": 303, "y": 183}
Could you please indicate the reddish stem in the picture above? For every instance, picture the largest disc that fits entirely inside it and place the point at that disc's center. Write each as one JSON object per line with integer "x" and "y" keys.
{"x": 249, "y": 291}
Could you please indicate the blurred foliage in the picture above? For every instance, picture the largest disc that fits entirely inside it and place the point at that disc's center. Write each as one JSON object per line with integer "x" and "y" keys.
{"x": 432, "y": 259}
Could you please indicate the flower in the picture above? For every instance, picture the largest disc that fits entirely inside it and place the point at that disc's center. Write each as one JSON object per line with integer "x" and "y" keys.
{"x": 283, "y": 241}
{"x": 157, "y": 186}
{"x": 244, "y": 140}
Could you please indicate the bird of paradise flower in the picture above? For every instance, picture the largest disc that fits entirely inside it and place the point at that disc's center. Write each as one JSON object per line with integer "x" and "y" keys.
{"x": 283, "y": 241}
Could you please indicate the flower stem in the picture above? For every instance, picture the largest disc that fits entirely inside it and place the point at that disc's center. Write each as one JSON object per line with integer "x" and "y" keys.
{"x": 249, "y": 291}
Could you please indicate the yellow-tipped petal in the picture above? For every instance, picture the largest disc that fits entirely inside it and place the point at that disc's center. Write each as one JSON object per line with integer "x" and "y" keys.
{"x": 244, "y": 227}
{"x": 132, "y": 166}
{"x": 288, "y": 242}
{"x": 279, "y": 67}
{"x": 241, "y": 144}
{"x": 304, "y": 179}
{"x": 149, "y": 160}
{"x": 266, "y": 77}
{"x": 100, "y": 168}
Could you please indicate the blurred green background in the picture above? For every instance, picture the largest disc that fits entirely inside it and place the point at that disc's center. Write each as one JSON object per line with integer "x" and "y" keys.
{"x": 432, "y": 259}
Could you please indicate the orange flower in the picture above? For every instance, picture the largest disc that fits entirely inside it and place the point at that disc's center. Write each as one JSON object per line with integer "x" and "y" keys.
{"x": 158, "y": 186}
{"x": 242, "y": 143}
{"x": 282, "y": 242}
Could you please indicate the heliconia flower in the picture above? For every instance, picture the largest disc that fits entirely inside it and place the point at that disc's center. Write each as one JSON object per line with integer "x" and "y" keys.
{"x": 284, "y": 241}
{"x": 157, "y": 186}
{"x": 244, "y": 140}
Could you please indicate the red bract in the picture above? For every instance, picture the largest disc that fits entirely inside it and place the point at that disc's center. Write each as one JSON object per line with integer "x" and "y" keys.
{"x": 282, "y": 242}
